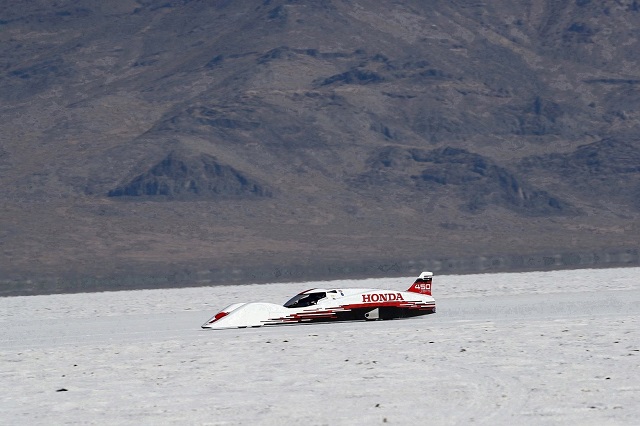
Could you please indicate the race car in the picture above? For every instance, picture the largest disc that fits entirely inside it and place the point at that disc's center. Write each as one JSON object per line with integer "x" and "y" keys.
{"x": 325, "y": 305}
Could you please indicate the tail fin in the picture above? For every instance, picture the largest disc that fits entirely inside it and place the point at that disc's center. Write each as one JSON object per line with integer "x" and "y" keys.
{"x": 422, "y": 284}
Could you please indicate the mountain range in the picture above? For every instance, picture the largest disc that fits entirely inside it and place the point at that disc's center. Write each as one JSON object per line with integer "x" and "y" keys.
{"x": 162, "y": 143}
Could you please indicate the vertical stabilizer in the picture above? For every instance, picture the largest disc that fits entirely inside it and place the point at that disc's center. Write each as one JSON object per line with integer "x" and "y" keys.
{"x": 422, "y": 284}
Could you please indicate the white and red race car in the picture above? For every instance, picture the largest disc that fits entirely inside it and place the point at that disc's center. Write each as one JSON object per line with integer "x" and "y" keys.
{"x": 325, "y": 305}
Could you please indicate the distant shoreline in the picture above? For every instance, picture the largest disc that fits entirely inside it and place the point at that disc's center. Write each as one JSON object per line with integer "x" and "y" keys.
{"x": 186, "y": 276}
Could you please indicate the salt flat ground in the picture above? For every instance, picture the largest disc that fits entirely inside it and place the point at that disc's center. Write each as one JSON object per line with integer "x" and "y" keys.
{"x": 526, "y": 348}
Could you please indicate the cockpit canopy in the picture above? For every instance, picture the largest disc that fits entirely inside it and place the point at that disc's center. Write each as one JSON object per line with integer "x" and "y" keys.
{"x": 307, "y": 298}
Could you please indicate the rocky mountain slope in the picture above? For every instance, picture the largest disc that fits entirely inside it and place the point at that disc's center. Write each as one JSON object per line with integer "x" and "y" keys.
{"x": 148, "y": 143}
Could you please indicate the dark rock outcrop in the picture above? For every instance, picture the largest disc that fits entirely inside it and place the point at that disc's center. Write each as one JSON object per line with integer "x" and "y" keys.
{"x": 476, "y": 181}
{"x": 177, "y": 176}
{"x": 605, "y": 170}
{"x": 594, "y": 161}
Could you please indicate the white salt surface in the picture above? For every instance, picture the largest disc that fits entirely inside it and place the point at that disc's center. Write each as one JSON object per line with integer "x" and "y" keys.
{"x": 528, "y": 348}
